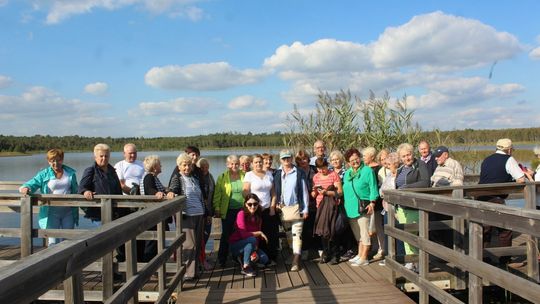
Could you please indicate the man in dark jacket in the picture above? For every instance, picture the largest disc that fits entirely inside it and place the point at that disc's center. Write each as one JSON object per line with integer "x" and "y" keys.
{"x": 427, "y": 157}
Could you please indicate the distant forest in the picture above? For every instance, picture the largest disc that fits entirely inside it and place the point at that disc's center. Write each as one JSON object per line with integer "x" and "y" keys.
{"x": 39, "y": 143}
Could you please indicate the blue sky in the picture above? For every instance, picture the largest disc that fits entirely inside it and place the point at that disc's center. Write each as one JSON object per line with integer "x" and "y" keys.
{"x": 187, "y": 67}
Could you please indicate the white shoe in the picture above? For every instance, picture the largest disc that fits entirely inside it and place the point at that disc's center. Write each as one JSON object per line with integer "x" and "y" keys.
{"x": 411, "y": 266}
{"x": 354, "y": 260}
{"x": 379, "y": 255}
{"x": 382, "y": 263}
{"x": 360, "y": 262}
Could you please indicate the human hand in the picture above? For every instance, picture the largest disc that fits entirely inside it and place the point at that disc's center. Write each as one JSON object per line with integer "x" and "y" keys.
{"x": 305, "y": 215}
{"x": 88, "y": 194}
{"x": 217, "y": 214}
{"x": 24, "y": 190}
{"x": 170, "y": 195}
{"x": 160, "y": 195}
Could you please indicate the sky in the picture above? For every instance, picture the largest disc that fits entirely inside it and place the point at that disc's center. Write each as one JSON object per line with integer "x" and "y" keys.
{"x": 152, "y": 68}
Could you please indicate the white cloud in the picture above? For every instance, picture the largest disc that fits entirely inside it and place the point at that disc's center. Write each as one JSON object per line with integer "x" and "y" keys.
{"x": 535, "y": 53}
{"x": 60, "y": 10}
{"x": 246, "y": 101}
{"x": 181, "y": 105}
{"x": 96, "y": 88}
{"x": 47, "y": 112}
{"x": 5, "y": 81}
{"x": 443, "y": 41}
{"x": 201, "y": 77}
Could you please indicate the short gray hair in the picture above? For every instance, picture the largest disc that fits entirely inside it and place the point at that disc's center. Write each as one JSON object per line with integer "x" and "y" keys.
{"x": 150, "y": 162}
{"x": 337, "y": 154}
{"x": 392, "y": 158}
{"x": 405, "y": 146}
{"x": 203, "y": 162}
{"x": 183, "y": 158}
{"x": 232, "y": 158}
{"x": 369, "y": 151}
{"x": 102, "y": 147}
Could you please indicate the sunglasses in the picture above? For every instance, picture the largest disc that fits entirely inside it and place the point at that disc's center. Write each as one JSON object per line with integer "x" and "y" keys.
{"x": 252, "y": 204}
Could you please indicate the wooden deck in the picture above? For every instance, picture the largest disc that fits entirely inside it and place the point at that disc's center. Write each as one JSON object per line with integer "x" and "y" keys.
{"x": 314, "y": 283}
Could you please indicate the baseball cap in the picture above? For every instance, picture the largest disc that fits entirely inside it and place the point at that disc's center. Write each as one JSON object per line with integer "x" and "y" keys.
{"x": 439, "y": 151}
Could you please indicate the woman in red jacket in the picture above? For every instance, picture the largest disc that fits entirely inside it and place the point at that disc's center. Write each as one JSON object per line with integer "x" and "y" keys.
{"x": 247, "y": 234}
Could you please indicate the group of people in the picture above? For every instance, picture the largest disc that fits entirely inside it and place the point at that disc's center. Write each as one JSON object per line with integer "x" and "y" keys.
{"x": 330, "y": 206}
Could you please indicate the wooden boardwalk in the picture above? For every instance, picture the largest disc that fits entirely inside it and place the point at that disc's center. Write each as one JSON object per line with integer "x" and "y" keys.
{"x": 314, "y": 283}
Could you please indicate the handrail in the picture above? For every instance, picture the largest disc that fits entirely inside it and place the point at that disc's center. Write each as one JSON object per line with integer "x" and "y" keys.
{"x": 472, "y": 214}
{"x": 27, "y": 279}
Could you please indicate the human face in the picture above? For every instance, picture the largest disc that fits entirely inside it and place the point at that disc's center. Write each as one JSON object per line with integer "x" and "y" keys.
{"x": 257, "y": 164}
{"x": 303, "y": 162}
{"x": 245, "y": 165}
{"x": 406, "y": 157}
{"x": 392, "y": 166}
{"x": 252, "y": 205}
{"x": 194, "y": 157}
{"x": 286, "y": 162}
{"x": 205, "y": 169}
{"x": 423, "y": 148}
{"x": 441, "y": 159}
{"x": 185, "y": 168}
{"x": 267, "y": 163}
{"x": 367, "y": 158}
{"x": 382, "y": 157}
{"x": 354, "y": 161}
{"x": 319, "y": 149}
{"x": 102, "y": 158}
{"x": 130, "y": 153}
{"x": 233, "y": 166}
{"x": 323, "y": 170}
{"x": 336, "y": 162}
{"x": 56, "y": 164}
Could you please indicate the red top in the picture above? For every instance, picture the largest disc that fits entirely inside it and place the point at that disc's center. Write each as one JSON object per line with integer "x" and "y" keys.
{"x": 324, "y": 181}
{"x": 244, "y": 228}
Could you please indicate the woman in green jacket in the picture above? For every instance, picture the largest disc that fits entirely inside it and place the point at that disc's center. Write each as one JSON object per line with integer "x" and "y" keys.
{"x": 359, "y": 186}
{"x": 56, "y": 179}
{"x": 227, "y": 202}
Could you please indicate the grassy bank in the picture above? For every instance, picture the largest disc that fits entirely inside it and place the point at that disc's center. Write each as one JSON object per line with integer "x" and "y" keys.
{"x": 5, "y": 154}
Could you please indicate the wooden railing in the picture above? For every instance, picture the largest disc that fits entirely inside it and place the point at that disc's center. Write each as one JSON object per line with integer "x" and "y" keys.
{"x": 36, "y": 275}
{"x": 467, "y": 254}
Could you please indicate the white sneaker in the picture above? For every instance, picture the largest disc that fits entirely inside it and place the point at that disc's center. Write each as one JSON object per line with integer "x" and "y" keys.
{"x": 379, "y": 255}
{"x": 354, "y": 260}
{"x": 382, "y": 263}
{"x": 360, "y": 262}
{"x": 411, "y": 266}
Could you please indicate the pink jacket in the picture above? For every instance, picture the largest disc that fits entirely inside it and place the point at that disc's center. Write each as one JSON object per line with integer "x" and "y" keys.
{"x": 243, "y": 229}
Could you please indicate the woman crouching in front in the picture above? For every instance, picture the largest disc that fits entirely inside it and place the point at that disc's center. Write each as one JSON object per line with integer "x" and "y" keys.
{"x": 247, "y": 234}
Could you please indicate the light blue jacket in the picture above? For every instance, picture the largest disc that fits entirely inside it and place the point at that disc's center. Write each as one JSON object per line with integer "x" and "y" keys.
{"x": 40, "y": 182}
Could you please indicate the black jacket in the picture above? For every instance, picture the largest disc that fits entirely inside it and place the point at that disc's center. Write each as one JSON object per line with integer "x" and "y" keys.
{"x": 95, "y": 180}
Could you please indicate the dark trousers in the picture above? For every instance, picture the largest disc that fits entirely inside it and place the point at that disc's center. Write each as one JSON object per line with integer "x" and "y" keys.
{"x": 227, "y": 226}
{"x": 270, "y": 227}
{"x": 310, "y": 241}
{"x": 505, "y": 235}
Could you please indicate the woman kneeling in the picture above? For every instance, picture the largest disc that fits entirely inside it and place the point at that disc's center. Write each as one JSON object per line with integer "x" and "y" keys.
{"x": 247, "y": 234}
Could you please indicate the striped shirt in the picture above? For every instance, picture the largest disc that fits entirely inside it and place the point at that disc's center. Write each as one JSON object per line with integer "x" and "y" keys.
{"x": 448, "y": 174}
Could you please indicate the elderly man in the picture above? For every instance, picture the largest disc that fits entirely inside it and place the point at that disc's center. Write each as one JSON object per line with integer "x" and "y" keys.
{"x": 319, "y": 150}
{"x": 427, "y": 157}
{"x": 130, "y": 171}
{"x": 500, "y": 167}
{"x": 292, "y": 192}
{"x": 448, "y": 172}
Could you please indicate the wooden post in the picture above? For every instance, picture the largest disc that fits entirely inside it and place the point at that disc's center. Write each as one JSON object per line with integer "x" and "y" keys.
{"x": 107, "y": 260}
{"x": 178, "y": 219}
{"x": 131, "y": 265}
{"x": 423, "y": 256}
{"x": 458, "y": 225}
{"x": 26, "y": 225}
{"x": 391, "y": 216}
{"x": 73, "y": 289}
{"x": 475, "y": 251}
{"x": 161, "y": 245}
{"x": 529, "y": 193}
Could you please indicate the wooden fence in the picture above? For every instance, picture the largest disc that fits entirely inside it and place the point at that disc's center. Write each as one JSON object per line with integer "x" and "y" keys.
{"x": 466, "y": 256}
{"x": 36, "y": 275}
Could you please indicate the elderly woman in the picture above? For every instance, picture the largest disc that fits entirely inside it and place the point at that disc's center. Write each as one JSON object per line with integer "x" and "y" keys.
{"x": 381, "y": 159}
{"x": 151, "y": 185}
{"x": 413, "y": 173}
{"x": 360, "y": 193}
{"x": 268, "y": 159}
{"x": 100, "y": 178}
{"x": 261, "y": 183}
{"x": 228, "y": 201}
{"x": 245, "y": 163}
{"x": 56, "y": 179}
{"x": 376, "y": 220}
{"x": 391, "y": 163}
{"x": 183, "y": 183}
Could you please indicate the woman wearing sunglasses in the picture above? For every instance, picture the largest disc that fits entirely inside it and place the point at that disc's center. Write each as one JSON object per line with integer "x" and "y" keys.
{"x": 247, "y": 234}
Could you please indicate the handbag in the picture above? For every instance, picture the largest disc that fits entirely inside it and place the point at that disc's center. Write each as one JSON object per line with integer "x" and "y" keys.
{"x": 362, "y": 204}
{"x": 290, "y": 213}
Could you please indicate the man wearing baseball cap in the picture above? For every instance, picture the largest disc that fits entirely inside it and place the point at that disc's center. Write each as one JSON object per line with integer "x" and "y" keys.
{"x": 500, "y": 167}
{"x": 448, "y": 172}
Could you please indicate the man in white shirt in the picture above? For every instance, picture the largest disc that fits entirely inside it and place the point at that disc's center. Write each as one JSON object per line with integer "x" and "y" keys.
{"x": 130, "y": 171}
{"x": 448, "y": 172}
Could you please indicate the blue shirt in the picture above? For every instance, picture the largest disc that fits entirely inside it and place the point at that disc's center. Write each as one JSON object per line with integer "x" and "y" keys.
{"x": 288, "y": 190}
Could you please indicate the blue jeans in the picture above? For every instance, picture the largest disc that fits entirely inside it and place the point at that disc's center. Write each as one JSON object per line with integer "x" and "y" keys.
{"x": 59, "y": 218}
{"x": 245, "y": 247}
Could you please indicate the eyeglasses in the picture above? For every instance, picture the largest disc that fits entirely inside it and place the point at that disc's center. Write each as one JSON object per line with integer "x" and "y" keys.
{"x": 252, "y": 204}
